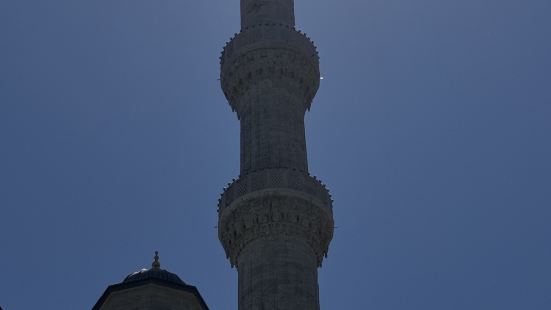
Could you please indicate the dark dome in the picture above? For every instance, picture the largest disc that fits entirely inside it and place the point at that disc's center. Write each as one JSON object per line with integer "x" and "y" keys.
{"x": 153, "y": 273}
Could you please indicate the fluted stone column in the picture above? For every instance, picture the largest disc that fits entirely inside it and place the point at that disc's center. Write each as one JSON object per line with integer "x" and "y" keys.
{"x": 275, "y": 220}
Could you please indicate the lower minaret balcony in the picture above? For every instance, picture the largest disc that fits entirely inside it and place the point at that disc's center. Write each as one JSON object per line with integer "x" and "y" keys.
{"x": 275, "y": 204}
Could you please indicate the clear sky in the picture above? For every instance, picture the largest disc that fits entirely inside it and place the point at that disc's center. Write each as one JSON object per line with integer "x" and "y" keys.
{"x": 432, "y": 128}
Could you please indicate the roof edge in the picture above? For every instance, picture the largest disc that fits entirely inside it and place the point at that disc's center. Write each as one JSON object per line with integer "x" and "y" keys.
{"x": 127, "y": 285}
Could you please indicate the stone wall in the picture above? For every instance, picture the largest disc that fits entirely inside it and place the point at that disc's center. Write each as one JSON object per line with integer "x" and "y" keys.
{"x": 151, "y": 297}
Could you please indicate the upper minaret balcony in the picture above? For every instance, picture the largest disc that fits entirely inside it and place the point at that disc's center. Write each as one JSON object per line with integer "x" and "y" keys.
{"x": 254, "y": 12}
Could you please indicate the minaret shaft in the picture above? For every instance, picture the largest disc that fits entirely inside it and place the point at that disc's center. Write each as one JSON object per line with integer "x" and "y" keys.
{"x": 278, "y": 274}
{"x": 275, "y": 220}
{"x": 254, "y": 12}
{"x": 272, "y": 133}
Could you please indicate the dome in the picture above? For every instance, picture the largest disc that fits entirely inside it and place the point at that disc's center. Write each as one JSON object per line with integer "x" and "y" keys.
{"x": 154, "y": 273}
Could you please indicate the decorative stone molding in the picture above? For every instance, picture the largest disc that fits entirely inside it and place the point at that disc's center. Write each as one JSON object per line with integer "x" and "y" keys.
{"x": 276, "y": 178}
{"x": 275, "y": 213}
{"x": 278, "y": 53}
{"x": 268, "y": 35}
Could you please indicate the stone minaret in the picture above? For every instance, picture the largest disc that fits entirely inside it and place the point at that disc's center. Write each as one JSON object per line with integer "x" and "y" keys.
{"x": 275, "y": 220}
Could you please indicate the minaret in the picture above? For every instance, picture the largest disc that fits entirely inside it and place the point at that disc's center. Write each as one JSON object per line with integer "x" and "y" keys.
{"x": 275, "y": 220}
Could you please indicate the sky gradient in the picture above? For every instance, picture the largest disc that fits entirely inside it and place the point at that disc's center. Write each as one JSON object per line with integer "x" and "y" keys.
{"x": 431, "y": 128}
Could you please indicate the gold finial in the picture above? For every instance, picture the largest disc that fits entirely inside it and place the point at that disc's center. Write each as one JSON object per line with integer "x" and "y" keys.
{"x": 156, "y": 263}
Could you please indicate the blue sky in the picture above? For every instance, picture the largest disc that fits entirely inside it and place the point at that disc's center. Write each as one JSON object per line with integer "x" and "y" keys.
{"x": 431, "y": 128}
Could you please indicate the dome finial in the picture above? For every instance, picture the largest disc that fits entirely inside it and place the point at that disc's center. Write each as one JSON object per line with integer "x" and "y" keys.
{"x": 156, "y": 263}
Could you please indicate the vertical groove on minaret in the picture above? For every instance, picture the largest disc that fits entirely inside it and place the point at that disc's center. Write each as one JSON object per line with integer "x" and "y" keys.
{"x": 275, "y": 220}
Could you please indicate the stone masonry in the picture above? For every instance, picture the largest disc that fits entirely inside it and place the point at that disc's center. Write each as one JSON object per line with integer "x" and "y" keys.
{"x": 275, "y": 220}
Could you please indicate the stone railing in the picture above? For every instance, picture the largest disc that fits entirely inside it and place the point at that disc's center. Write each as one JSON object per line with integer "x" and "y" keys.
{"x": 278, "y": 53}
{"x": 274, "y": 179}
{"x": 268, "y": 35}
